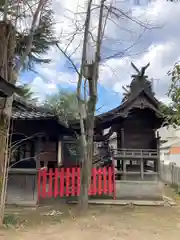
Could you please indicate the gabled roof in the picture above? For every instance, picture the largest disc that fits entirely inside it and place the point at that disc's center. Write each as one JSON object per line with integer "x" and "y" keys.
{"x": 122, "y": 110}
{"x": 140, "y": 96}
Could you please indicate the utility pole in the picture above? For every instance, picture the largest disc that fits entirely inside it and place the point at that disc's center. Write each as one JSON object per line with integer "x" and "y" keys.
{"x": 153, "y": 81}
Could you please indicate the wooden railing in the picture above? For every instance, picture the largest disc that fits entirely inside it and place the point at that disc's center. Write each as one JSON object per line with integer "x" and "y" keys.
{"x": 135, "y": 153}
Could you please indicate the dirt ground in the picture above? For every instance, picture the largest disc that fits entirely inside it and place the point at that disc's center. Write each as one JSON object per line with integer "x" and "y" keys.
{"x": 101, "y": 222}
{"x": 106, "y": 223}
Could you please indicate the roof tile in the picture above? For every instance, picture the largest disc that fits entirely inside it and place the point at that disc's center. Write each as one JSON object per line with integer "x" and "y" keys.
{"x": 32, "y": 114}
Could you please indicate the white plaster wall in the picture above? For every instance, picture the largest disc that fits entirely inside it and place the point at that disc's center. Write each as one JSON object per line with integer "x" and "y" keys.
{"x": 175, "y": 158}
{"x": 167, "y": 132}
{"x": 164, "y": 156}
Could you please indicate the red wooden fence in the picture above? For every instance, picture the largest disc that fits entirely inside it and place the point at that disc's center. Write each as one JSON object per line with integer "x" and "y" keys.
{"x": 66, "y": 182}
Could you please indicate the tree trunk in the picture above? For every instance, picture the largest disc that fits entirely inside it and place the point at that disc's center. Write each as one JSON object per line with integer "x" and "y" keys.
{"x": 85, "y": 171}
{"x": 91, "y": 107}
{"x": 83, "y": 198}
{"x": 7, "y": 48}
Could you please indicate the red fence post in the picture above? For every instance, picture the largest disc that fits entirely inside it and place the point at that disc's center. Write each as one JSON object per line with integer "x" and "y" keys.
{"x": 99, "y": 181}
{"x": 114, "y": 179}
{"x": 56, "y": 185}
{"x": 78, "y": 181}
{"x": 105, "y": 180}
{"x": 67, "y": 181}
{"x": 94, "y": 181}
{"x": 61, "y": 192}
{"x": 50, "y": 183}
{"x": 73, "y": 181}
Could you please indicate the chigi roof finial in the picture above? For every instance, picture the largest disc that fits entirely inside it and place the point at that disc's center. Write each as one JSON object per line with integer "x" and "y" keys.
{"x": 140, "y": 72}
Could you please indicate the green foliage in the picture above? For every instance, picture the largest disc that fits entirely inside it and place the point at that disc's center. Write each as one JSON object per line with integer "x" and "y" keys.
{"x": 166, "y": 110}
{"x": 43, "y": 37}
{"x": 168, "y": 113}
{"x": 64, "y": 104}
{"x": 28, "y": 93}
{"x": 174, "y": 94}
{"x": 10, "y": 220}
{"x": 2, "y": 2}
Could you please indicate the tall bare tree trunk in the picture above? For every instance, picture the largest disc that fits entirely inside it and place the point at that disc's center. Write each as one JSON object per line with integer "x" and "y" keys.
{"x": 7, "y": 48}
{"x": 87, "y": 132}
{"x": 7, "y": 55}
{"x": 85, "y": 171}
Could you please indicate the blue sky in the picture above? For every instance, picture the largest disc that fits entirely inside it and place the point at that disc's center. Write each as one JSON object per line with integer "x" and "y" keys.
{"x": 154, "y": 35}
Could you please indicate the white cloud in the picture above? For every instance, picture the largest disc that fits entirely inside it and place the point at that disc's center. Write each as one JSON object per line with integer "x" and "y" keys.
{"x": 161, "y": 51}
{"x": 158, "y": 46}
{"x": 41, "y": 89}
{"x": 161, "y": 58}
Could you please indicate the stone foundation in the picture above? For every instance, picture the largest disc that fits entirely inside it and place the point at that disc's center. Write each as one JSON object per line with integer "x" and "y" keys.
{"x": 139, "y": 190}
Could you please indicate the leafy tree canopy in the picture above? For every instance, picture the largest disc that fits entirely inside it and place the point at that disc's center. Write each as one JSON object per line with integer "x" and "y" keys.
{"x": 173, "y": 110}
{"x": 28, "y": 94}
{"x": 64, "y": 104}
{"x": 20, "y": 15}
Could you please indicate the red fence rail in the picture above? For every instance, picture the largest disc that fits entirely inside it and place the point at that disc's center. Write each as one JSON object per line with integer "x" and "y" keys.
{"x": 66, "y": 182}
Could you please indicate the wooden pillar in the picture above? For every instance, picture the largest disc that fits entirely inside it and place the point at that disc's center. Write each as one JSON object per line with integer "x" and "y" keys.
{"x": 59, "y": 153}
{"x": 37, "y": 152}
{"x": 122, "y": 137}
{"x": 142, "y": 168}
{"x": 123, "y": 160}
{"x": 158, "y": 155}
{"x": 38, "y": 148}
{"x": 118, "y": 147}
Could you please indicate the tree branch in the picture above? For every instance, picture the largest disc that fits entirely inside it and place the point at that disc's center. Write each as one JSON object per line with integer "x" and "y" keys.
{"x": 29, "y": 39}
{"x": 69, "y": 59}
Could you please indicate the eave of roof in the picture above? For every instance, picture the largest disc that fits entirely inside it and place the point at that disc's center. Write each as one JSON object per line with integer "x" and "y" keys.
{"x": 118, "y": 110}
{"x": 23, "y": 110}
{"x": 26, "y": 110}
{"x": 7, "y": 89}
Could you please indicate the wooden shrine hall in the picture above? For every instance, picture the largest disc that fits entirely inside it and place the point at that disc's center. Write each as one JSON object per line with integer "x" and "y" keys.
{"x": 129, "y": 134}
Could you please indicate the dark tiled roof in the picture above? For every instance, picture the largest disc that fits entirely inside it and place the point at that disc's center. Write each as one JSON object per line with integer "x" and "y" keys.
{"x": 23, "y": 110}
{"x": 26, "y": 110}
{"x": 21, "y": 114}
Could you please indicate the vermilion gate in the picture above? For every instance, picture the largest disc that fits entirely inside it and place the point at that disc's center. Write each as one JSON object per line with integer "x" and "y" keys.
{"x": 66, "y": 182}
